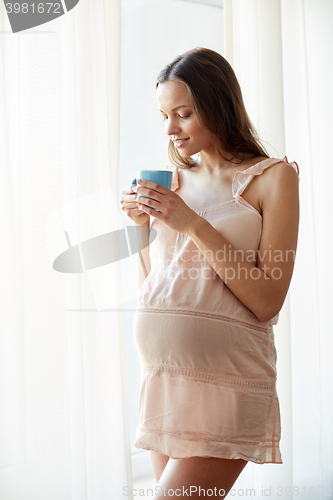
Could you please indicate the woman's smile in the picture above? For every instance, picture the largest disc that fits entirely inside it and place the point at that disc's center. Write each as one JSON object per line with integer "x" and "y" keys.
{"x": 179, "y": 143}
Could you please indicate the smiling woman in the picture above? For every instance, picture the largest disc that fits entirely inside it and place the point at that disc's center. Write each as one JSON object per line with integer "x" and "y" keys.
{"x": 211, "y": 292}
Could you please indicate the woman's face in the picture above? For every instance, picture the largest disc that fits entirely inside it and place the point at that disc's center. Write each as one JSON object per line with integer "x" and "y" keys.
{"x": 181, "y": 122}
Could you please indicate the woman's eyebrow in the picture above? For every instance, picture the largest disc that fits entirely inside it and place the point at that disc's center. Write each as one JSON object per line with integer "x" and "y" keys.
{"x": 181, "y": 106}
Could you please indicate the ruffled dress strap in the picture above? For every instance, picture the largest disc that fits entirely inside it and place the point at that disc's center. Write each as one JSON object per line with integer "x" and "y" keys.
{"x": 242, "y": 178}
{"x": 175, "y": 179}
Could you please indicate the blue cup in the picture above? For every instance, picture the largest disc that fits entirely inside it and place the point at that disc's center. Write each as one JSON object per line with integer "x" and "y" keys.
{"x": 162, "y": 177}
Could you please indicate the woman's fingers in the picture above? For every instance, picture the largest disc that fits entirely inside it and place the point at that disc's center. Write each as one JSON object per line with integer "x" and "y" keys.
{"x": 128, "y": 202}
{"x": 153, "y": 186}
{"x": 129, "y": 198}
{"x": 128, "y": 189}
{"x": 129, "y": 206}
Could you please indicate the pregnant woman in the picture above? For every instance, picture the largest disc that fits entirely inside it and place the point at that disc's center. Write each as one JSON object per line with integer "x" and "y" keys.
{"x": 214, "y": 281}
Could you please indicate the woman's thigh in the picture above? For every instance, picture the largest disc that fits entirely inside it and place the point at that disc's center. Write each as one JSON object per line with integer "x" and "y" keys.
{"x": 187, "y": 475}
{"x": 159, "y": 462}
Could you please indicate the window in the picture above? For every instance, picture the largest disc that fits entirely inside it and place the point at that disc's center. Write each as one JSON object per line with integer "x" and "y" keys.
{"x": 149, "y": 41}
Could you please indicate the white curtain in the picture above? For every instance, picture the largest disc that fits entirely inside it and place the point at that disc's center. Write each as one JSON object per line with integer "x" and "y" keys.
{"x": 64, "y": 431}
{"x": 282, "y": 52}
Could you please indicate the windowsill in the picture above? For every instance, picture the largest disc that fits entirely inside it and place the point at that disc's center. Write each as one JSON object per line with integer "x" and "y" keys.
{"x": 141, "y": 465}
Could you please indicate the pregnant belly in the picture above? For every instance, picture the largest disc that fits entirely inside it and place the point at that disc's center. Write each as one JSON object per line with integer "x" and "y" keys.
{"x": 204, "y": 345}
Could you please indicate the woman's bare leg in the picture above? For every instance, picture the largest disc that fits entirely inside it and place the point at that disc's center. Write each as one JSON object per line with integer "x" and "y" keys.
{"x": 159, "y": 462}
{"x": 186, "y": 475}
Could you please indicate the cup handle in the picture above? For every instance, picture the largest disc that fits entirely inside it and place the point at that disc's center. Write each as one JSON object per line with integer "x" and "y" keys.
{"x": 134, "y": 181}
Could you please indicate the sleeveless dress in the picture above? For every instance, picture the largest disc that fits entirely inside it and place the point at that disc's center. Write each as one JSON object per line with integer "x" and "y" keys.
{"x": 208, "y": 384}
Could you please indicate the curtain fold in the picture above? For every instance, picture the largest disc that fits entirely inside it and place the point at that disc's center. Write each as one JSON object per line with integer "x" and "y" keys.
{"x": 281, "y": 52}
{"x": 64, "y": 426}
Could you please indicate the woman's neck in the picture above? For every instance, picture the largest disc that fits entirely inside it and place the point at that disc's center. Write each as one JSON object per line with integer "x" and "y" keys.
{"x": 209, "y": 163}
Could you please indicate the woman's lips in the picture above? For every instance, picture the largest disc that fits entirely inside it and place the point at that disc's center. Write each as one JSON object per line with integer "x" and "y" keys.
{"x": 180, "y": 143}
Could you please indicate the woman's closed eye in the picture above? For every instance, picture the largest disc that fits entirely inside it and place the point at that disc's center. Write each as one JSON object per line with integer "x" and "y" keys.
{"x": 183, "y": 117}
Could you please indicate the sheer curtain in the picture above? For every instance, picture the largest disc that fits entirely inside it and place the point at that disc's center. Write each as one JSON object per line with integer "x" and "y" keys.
{"x": 64, "y": 431}
{"x": 281, "y": 51}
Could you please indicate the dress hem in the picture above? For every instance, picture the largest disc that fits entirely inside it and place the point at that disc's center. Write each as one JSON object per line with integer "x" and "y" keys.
{"x": 221, "y": 455}
{"x": 185, "y": 447}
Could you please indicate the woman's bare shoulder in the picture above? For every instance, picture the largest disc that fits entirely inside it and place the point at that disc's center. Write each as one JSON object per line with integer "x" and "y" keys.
{"x": 280, "y": 172}
{"x": 279, "y": 184}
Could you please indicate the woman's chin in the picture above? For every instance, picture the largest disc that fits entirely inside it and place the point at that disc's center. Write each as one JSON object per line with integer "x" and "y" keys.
{"x": 188, "y": 154}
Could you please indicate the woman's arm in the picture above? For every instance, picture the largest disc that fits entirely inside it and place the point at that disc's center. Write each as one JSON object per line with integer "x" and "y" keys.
{"x": 144, "y": 266}
{"x": 142, "y": 223}
{"x": 262, "y": 288}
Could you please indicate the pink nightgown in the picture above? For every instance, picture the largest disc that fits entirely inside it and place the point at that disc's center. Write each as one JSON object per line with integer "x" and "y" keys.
{"x": 208, "y": 385}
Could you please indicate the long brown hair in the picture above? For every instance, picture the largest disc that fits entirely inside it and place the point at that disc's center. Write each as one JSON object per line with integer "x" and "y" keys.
{"x": 216, "y": 97}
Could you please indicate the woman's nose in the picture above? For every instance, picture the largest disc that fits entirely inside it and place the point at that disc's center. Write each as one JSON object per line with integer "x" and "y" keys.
{"x": 172, "y": 128}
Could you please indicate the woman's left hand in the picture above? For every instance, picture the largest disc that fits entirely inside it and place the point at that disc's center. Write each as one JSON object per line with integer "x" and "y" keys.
{"x": 170, "y": 207}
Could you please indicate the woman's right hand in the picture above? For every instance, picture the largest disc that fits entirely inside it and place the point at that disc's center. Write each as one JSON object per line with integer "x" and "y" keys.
{"x": 130, "y": 206}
